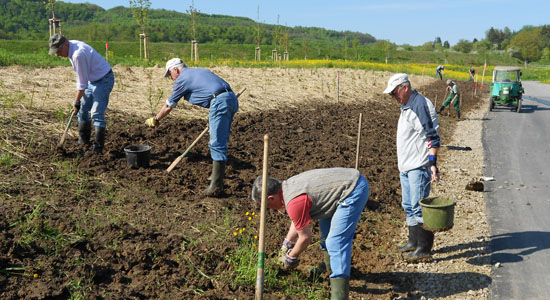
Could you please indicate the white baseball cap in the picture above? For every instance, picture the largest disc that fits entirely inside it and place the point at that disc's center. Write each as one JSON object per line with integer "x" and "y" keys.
{"x": 174, "y": 62}
{"x": 396, "y": 80}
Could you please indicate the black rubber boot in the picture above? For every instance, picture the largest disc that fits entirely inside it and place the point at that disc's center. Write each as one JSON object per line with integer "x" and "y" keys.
{"x": 99, "y": 141}
{"x": 441, "y": 109}
{"x": 84, "y": 133}
{"x": 425, "y": 241}
{"x": 339, "y": 288}
{"x": 458, "y": 115}
{"x": 411, "y": 243}
{"x": 216, "y": 184}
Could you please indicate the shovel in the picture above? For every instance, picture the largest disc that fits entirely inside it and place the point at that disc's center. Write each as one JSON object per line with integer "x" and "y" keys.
{"x": 177, "y": 160}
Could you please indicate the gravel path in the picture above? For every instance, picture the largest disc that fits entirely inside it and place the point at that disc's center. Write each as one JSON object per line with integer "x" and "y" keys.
{"x": 461, "y": 266}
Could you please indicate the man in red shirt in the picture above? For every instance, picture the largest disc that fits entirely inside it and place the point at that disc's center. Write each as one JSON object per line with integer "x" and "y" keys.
{"x": 336, "y": 197}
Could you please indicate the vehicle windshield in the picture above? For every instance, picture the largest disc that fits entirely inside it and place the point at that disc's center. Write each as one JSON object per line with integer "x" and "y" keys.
{"x": 506, "y": 76}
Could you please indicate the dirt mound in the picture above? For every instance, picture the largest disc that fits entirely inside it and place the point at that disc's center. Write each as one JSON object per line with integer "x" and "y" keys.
{"x": 81, "y": 224}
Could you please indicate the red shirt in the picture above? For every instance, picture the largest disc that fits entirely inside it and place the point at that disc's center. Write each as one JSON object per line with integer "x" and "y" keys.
{"x": 298, "y": 211}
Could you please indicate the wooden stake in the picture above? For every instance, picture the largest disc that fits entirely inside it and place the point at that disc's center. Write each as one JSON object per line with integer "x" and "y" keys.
{"x": 337, "y": 86}
{"x": 261, "y": 254}
{"x": 358, "y": 142}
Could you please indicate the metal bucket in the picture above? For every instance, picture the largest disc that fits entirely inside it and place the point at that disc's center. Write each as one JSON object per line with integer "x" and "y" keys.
{"x": 138, "y": 156}
{"x": 438, "y": 213}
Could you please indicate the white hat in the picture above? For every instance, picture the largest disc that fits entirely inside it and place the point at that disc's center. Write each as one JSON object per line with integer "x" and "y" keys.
{"x": 396, "y": 80}
{"x": 174, "y": 62}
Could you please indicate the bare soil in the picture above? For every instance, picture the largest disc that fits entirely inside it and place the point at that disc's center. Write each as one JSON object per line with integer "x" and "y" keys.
{"x": 105, "y": 231}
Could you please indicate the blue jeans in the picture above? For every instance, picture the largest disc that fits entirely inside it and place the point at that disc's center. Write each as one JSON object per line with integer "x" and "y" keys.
{"x": 414, "y": 187}
{"x": 337, "y": 233}
{"x": 222, "y": 109}
{"x": 95, "y": 100}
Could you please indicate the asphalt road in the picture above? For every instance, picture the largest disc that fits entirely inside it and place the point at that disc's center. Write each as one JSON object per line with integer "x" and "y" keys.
{"x": 517, "y": 155}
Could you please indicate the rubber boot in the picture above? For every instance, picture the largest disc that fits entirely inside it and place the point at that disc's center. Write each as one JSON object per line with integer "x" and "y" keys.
{"x": 84, "y": 133}
{"x": 99, "y": 141}
{"x": 441, "y": 109}
{"x": 339, "y": 288}
{"x": 425, "y": 241}
{"x": 458, "y": 115}
{"x": 216, "y": 184}
{"x": 411, "y": 243}
{"x": 322, "y": 267}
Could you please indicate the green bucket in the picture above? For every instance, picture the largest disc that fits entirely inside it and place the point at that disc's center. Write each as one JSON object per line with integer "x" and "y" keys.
{"x": 438, "y": 213}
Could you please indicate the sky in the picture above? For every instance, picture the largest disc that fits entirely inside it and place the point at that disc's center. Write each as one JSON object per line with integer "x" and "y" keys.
{"x": 412, "y": 22}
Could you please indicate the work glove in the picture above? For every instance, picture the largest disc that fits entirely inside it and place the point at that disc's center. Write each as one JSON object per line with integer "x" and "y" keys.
{"x": 285, "y": 248}
{"x": 287, "y": 245}
{"x": 152, "y": 122}
{"x": 290, "y": 262}
{"x": 76, "y": 105}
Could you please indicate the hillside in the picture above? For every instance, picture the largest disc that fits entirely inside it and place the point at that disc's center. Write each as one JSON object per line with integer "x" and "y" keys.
{"x": 27, "y": 19}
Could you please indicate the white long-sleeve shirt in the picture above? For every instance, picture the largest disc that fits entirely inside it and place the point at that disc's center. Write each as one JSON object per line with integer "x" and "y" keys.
{"x": 88, "y": 64}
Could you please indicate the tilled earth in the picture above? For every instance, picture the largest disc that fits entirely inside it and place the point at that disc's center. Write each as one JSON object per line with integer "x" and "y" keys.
{"x": 78, "y": 224}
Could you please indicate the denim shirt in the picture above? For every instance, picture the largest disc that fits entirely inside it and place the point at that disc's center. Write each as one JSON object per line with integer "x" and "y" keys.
{"x": 197, "y": 86}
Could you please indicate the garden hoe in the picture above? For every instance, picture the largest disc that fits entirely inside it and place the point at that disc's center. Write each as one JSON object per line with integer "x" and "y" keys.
{"x": 177, "y": 161}
{"x": 60, "y": 145}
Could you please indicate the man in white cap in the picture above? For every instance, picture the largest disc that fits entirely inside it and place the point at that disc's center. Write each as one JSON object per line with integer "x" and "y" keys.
{"x": 417, "y": 144}
{"x": 94, "y": 83}
{"x": 206, "y": 89}
{"x": 454, "y": 98}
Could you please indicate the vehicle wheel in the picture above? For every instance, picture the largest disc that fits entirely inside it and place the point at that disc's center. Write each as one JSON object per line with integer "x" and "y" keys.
{"x": 519, "y": 106}
{"x": 491, "y": 104}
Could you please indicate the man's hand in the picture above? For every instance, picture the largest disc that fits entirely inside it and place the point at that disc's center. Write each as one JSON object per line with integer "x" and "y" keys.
{"x": 435, "y": 173}
{"x": 152, "y": 122}
{"x": 290, "y": 262}
{"x": 76, "y": 105}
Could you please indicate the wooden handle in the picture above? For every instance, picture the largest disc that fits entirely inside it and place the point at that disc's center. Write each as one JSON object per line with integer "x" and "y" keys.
{"x": 261, "y": 254}
{"x": 176, "y": 162}
{"x": 62, "y": 141}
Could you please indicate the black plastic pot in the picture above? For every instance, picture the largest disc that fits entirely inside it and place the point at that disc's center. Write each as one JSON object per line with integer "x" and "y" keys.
{"x": 138, "y": 156}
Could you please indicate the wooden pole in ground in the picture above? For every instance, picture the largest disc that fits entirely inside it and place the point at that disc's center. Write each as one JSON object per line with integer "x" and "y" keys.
{"x": 337, "y": 86}
{"x": 358, "y": 142}
{"x": 483, "y": 76}
{"x": 261, "y": 254}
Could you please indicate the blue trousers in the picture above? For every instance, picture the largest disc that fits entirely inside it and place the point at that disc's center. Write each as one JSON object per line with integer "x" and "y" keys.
{"x": 414, "y": 187}
{"x": 95, "y": 100}
{"x": 337, "y": 233}
{"x": 222, "y": 110}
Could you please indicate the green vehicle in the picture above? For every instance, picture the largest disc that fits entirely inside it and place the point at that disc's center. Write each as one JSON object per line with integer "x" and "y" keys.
{"x": 506, "y": 89}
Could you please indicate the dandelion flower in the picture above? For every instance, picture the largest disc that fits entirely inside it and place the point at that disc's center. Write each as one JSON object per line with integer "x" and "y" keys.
{"x": 35, "y": 275}
{"x": 247, "y": 213}
{"x": 249, "y": 218}
{"x": 235, "y": 233}
{"x": 255, "y": 237}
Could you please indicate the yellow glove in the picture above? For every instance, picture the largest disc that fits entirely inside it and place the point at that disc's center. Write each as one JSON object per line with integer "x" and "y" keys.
{"x": 152, "y": 122}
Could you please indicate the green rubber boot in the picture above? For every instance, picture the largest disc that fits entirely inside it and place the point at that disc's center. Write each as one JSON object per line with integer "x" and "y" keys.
{"x": 216, "y": 184}
{"x": 324, "y": 266}
{"x": 339, "y": 288}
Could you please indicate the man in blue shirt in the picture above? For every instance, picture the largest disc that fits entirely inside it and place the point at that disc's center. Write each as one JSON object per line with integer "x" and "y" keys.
{"x": 94, "y": 83}
{"x": 204, "y": 88}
